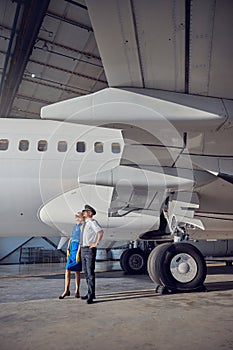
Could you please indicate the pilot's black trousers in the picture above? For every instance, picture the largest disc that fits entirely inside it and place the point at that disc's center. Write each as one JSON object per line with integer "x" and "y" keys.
{"x": 88, "y": 256}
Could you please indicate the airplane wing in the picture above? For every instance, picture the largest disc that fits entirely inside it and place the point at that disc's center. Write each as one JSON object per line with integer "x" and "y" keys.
{"x": 159, "y": 130}
{"x": 181, "y": 46}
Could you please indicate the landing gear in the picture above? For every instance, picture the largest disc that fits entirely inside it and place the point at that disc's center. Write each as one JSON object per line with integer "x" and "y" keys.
{"x": 133, "y": 261}
{"x": 177, "y": 267}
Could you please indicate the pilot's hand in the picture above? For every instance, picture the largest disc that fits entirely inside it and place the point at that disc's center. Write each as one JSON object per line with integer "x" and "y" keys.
{"x": 93, "y": 245}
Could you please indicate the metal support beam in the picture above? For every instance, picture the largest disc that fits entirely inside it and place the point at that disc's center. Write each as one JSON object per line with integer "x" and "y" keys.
{"x": 32, "y": 18}
{"x": 8, "y": 54}
{"x": 69, "y": 21}
{"x": 187, "y": 43}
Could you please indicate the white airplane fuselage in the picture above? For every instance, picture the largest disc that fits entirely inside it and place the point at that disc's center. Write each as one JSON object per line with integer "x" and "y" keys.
{"x": 126, "y": 170}
{"x": 32, "y": 180}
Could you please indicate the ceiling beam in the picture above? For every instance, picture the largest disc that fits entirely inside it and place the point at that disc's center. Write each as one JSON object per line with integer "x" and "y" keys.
{"x": 32, "y": 18}
{"x": 77, "y": 4}
{"x": 69, "y": 21}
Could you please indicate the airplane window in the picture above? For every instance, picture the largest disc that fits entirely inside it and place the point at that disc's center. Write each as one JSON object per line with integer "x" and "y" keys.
{"x": 42, "y": 146}
{"x": 116, "y": 147}
{"x": 80, "y": 146}
{"x": 62, "y": 146}
{"x": 4, "y": 144}
{"x": 23, "y": 145}
{"x": 99, "y": 147}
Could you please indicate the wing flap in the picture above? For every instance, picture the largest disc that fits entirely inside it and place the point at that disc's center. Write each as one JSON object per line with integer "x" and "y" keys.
{"x": 181, "y": 211}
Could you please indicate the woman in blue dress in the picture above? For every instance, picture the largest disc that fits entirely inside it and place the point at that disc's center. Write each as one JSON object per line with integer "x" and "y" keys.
{"x": 73, "y": 257}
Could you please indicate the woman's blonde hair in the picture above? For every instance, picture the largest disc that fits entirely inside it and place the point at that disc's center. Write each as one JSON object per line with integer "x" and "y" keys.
{"x": 79, "y": 214}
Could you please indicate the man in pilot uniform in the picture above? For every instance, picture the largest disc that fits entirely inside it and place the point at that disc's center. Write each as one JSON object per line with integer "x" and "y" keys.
{"x": 91, "y": 237}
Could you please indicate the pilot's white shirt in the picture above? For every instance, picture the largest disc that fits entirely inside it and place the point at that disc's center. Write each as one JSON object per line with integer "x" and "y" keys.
{"x": 90, "y": 230}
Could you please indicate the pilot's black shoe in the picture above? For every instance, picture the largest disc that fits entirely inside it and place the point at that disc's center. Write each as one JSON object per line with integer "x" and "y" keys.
{"x": 85, "y": 297}
{"x": 90, "y": 301}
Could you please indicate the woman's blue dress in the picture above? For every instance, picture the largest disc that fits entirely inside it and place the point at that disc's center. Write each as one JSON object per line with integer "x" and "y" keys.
{"x": 72, "y": 264}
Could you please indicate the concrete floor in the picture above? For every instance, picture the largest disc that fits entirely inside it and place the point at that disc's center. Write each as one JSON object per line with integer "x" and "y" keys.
{"x": 127, "y": 314}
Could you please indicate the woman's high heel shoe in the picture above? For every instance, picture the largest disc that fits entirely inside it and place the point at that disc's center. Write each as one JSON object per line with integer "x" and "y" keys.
{"x": 77, "y": 295}
{"x": 67, "y": 294}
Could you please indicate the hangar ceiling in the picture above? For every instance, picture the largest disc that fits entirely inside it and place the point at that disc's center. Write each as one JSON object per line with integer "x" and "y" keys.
{"x": 52, "y": 50}
{"x": 48, "y": 53}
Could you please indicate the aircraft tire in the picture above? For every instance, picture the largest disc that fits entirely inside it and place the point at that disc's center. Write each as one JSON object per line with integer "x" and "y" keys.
{"x": 150, "y": 267}
{"x": 133, "y": 261}
{"x": 177, "y": 266}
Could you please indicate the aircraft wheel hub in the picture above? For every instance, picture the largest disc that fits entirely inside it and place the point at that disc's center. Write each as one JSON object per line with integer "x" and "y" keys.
{"x": 136, "y": 261}
{"x": 183, "y": 267}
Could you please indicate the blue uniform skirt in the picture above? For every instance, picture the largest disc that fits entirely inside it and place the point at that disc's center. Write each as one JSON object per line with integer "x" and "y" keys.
{"x": 72, "y": 264}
